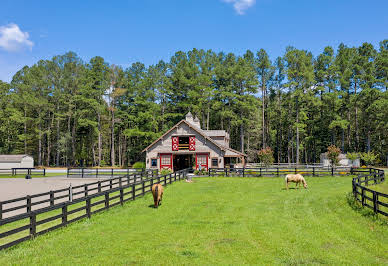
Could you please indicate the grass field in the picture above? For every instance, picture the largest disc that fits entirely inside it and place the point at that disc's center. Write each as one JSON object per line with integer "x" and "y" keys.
{"x": 383, "y": 187}
{"x": 221, "y": 221}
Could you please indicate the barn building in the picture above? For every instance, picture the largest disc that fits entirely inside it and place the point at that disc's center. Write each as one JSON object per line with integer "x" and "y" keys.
{"x": 16, "y": 161}
{"x": 186, "y": 145}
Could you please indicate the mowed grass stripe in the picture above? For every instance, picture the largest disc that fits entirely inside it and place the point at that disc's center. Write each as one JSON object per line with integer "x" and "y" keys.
{"x": 220, "y": 221}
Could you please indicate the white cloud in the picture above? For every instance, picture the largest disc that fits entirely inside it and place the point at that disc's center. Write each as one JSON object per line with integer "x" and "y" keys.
{"x": 13, "y": 39}
{"x": 241, "y": 5}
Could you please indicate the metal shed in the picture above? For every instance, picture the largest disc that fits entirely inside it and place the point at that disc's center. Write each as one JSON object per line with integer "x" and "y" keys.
{"x": 16, "y": 161}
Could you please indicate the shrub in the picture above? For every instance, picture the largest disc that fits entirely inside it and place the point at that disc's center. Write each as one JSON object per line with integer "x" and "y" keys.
{"x": 352, "y": 156}
{"x": 369, "y": 157}
{"x": 139, "y": 165}
{"x": 200, "y": 172}
{"x": 332, "y": 154}
{"x": 266, "y": 156}
{"x": 165, "y": 171}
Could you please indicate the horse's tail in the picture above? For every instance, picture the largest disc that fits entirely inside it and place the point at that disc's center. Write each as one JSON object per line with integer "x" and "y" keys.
{"x": 156, "y": 196}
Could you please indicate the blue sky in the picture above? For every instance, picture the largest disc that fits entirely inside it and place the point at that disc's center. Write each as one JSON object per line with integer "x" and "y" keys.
{"x": 124, "y": 32}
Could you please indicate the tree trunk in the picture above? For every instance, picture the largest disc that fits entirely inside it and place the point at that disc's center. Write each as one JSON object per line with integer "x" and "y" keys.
{"x": 263, "y": 111}
{"x": 208, "y": 117}
{"x": 99, "y": 138}
{"x": 112, "y": 154}
{"x": 25, "y": 130}
{"x": 297, "y": 131}
{"x": 73, "y": 139}
{"x": 242, "y": 137}
{"x": 40, "y": 144}
{"x": 57, "y": 157}
{"x": 356, "y": 119}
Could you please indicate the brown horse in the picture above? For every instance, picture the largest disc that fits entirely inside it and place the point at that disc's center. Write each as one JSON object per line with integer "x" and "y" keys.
{"x": 157, "y": 192}
{"x": 298, "y": 178}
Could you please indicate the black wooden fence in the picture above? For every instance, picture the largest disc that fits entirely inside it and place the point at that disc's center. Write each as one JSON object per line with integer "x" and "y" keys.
{"x": 279, "y": 171}
{"x": 23, "y": 171}
{"x": 377, "y": 201}
{"x": 33, "y": 223}
{"x": 102, "y": 172}
{"x": 35, "y": 202}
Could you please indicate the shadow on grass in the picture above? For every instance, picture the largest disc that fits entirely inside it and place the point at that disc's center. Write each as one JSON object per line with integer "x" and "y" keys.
{"x": 366, "y": 212}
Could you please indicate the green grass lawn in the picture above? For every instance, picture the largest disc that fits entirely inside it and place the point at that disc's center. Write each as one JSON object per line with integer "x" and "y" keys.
{"x": 383, "y": 187}
{"x": 220, "y": 221}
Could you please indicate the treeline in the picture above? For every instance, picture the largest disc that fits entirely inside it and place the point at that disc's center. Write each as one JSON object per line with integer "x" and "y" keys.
{"x": 65, "y": 111}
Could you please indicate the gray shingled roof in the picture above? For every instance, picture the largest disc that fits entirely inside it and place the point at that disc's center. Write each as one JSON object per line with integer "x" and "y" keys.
{"x": 215, "y": 133}
{"x": 11, "y": 158}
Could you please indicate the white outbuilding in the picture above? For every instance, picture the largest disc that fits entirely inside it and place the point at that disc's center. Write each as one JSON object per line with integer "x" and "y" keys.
{"x": 16, "y": 161}
{"x": 343, "y": 161}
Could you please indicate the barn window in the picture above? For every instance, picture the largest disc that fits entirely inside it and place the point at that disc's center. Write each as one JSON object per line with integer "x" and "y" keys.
{"x": 214, "y": 162}
{"x": 154, "y": 162}
{"x": 166, "y": 160}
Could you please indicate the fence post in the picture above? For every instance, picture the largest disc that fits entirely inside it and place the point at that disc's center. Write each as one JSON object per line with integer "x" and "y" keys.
{"x": 111, "y": 174}
{"x": 277, "y": 170}
{"x": 86, "y": 190}
{"x": 170, "y": 178}
{"x": 175, "y": 177}
{"x": 143, "y": 188}
{"x": 332, "y": 171}
{"x": 121, "y": 196}
{"x": 107, "y": 200}
{"x": 99, "y": 186}
{"x": 313, "y": 170}
{"x": 120, "y": 181}
{"x": 110, "y": 184}
{"x": 260, "y": 171}
{"x": 88, "y": 207}
{"x": 96, "y": 172}
{"x": 133, "y": 192}
{"x": 1, "y": 210}
{"x": 32, "y": 224}
{"x": 296, "y": 170}
{"x": 82, "y": 172}
{"x": 64, "y": 214}
{"x": 28, "y": 203}
{"x": 362, "y": 196}
{"x": 70, "y": 193}
{"x": 351, "y": 170}
{"x": 44, "y": 171}
{"x": 51, "y": 198}
{"x": 375, "y": 204}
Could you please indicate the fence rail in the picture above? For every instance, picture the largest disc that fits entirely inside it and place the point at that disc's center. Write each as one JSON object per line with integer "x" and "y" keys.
{"x": 375, "y": 200}
{"x": 103, "y": 172}
{"x": 14, "y": 230}
{"x": 278, "y": 171}
{"x": 35, "y": 202}
{"x": 23, "y": 171}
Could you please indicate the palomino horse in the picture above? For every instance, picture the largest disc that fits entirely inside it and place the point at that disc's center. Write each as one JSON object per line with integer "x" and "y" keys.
{"x": 157, "y": 192}
{"x": 298, "y": 178}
